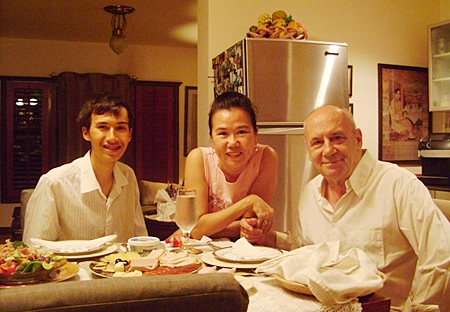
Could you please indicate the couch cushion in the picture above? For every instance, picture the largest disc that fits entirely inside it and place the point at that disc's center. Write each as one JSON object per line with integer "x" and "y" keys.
{"x": 192, "y": 292}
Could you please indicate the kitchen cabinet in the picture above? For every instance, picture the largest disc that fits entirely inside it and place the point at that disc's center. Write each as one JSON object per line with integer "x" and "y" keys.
{"x": 439, "y": 66}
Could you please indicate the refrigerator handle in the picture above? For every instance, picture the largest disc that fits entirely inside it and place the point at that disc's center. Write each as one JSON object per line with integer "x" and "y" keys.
{"x": 331, "y": 53}
{"x": 281, "y": 130}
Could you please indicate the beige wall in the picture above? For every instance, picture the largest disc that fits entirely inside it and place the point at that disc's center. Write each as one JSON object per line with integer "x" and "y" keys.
{"x": 41, "y": 58}
{"x": 382, "y": 31}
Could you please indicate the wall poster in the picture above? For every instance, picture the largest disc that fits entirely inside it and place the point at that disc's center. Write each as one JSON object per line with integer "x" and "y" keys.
{"x": 403, "y": 112}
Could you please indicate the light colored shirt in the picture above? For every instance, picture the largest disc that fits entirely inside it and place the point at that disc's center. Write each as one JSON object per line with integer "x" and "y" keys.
{"x": 68, "y": 204}
{"x": 221, "y": 193}
{"x": 388, "y": 213}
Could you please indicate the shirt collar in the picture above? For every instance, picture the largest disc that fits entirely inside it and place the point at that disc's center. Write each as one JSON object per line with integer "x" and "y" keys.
{"x": 88, "y": 179}
{"x": 359, "y": 177}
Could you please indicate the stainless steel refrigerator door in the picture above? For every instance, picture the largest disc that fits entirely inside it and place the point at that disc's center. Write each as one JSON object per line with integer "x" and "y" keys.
{"x": 286, "y": 79}
{"x": 294, "y": 171}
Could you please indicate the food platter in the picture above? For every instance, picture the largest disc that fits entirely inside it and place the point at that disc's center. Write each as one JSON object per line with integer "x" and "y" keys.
{"x": 62, "y": 273}
{"x": 25, "y": 278}
{"x": 161, "y": 270}
{"x": 105, "y": 250}
{"x": 261, "y": 254}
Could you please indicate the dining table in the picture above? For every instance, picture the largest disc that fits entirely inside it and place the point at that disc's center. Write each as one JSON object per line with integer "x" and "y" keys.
{"x": 266, "y": 293}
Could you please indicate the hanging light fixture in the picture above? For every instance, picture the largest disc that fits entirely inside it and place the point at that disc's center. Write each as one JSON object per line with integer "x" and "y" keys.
{"x": 118, "y": 41}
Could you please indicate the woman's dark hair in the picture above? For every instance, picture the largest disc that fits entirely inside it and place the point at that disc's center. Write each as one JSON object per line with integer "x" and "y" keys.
{"x": 229, "y": 100}
{"x": 103, "y": 104}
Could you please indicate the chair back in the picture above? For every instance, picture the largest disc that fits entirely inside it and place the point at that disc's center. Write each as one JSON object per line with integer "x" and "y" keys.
{"x": 24, "y": 197}
{"x": 444, "y": 206}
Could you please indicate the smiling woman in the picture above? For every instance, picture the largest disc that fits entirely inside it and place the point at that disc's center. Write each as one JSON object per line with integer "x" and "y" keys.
{"x": 236, "y": 176}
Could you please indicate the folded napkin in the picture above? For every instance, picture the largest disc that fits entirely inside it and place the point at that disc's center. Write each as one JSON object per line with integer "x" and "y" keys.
{"x": 205, "y": 240}
{"x": 242, "y": 250}
{"x": 74, "y": 246}
{"x": 332, "y": 276}
{"x": 165, "y": 206}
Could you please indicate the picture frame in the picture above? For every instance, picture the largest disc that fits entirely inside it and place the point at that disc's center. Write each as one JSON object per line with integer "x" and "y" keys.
{"x": 190, "y": 119}
{"x": 350, "y": 80}
{"x": 403, "y": 112}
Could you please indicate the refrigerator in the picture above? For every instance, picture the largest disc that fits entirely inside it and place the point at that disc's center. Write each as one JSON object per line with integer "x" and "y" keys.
{"x": 285, "y": 80}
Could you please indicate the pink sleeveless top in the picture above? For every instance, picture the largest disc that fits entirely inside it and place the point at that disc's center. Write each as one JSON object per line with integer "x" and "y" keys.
{"x": 222, "y": 194}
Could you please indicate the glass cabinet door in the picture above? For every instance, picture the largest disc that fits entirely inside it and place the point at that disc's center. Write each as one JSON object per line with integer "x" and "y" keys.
{"x": 439, "y": 66}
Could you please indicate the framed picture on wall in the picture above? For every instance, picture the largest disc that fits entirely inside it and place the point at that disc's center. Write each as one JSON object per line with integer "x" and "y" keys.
{"x": 190, "y": 119}
{"x": 403, "y": 112}
{"x": 350, "y": 80}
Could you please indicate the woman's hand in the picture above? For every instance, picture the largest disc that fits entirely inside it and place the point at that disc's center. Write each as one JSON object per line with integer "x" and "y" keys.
{"x": 250, "y": 231}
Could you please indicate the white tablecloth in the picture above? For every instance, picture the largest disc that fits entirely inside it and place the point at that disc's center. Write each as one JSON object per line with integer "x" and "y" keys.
{"x": 267, "y": 295}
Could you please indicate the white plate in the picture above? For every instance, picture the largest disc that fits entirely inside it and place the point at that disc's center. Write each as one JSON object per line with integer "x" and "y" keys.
{"x": 228, "y": 254}
{"x": 245, "y": 282}
{"x": 106, "y": 250}
{"x": 210, "y": 259}
{"x": 88, "y": 251}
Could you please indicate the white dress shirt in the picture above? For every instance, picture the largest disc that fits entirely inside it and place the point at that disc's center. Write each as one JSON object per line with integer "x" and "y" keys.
{"x": 68, "y": 203}
{"x": 389, "y": 213}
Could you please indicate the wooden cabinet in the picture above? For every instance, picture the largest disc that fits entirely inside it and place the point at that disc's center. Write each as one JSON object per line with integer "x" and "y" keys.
{"x": 439, "y": 66}
{"x": 29, "y": 122}
{"x": 156, "y": 137}
{"x": 28, "y": 132}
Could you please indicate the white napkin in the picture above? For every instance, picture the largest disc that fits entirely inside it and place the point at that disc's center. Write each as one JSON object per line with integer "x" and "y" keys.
{"x": 165, "y": 206}
{"x": 242, "y": 250}
{"x": 74, "y": 246}
{"x": 333, "y": 277}
{"x": 200, "y": 242}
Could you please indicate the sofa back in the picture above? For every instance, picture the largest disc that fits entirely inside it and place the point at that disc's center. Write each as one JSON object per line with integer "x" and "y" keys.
{"x": 192, "y": 292}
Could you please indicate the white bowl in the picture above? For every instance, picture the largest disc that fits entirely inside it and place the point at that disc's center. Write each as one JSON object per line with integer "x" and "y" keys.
{"x": 143, "y": 244}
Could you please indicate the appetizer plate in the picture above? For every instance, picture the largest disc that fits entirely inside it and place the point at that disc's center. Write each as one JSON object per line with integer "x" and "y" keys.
{"x": 162, "y": 270}
{"x": 25, "y": 278}
{"x": 263, "y": 254}
{"x": 105, "y": 250}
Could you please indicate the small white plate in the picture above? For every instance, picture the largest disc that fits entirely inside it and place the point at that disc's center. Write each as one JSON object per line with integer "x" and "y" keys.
{"x": 264, "y": 253}
{"x": 106, "y": 250}
{"x": 210, "y": 259}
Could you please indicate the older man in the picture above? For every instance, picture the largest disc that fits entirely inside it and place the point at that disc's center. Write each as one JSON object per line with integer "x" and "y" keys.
{"x": 375, "y": 206}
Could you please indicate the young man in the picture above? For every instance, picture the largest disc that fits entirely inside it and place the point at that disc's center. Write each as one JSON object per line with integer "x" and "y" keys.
{"x": 375, "y": 206}
{"x": 94, "y": 195}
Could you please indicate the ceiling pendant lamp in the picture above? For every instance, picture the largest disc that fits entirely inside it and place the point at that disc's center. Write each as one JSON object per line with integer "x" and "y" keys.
{"x": 118, "y": 41}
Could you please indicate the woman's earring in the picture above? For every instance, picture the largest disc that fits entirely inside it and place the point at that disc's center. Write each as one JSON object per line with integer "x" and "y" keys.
{"x": 256, "y": 148}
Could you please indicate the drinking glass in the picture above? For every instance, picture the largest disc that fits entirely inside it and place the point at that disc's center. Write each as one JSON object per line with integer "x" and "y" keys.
{"x": 186, "y": 214}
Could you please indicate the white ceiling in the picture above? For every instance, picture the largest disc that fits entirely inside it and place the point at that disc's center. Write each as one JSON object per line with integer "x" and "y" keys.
{"x": 154, "y": 22}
